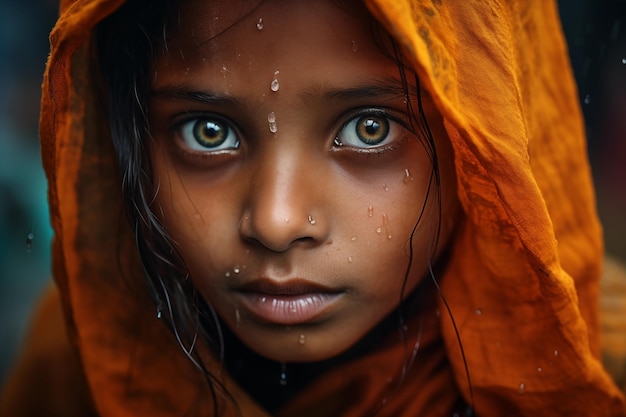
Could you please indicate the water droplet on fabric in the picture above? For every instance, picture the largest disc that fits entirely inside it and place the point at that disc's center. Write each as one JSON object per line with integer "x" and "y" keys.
{"x": 407, "y": 176}
{"x": 370, "y": 211}
{"x": 274, "y": 86}
{"x": 283, "y": 374}
{"x": 522, "y": 388}
{"x": 587, "y": 99}
{"x": 349, "y": 259}
{"x": 259, "y": 24}
{"x": 624, "y": 61}
{"x": 354, "y": 46}
{"x": 479, "y": 312}
{"x": 301, "y": 339}
{"x": 237, "y": 317}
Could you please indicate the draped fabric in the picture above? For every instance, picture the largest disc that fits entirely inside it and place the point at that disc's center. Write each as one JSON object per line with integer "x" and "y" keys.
{"x": 523, "y": 269}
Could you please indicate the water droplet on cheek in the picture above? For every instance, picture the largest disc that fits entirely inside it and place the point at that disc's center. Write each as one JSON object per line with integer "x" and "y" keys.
{"x": 407, "y": 176}
{"x": 387, "y": 226}
{"x": 259, "y": 24}
{"x": 301, "y": 339}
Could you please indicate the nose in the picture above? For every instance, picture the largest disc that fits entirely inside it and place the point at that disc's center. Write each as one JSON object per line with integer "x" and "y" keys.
{"x": 284, "y": 208}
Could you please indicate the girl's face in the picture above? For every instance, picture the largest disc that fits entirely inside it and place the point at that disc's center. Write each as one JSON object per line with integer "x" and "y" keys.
{"x": 288, "y": 174}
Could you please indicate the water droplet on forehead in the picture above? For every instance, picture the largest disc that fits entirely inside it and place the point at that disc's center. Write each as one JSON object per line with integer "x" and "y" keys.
{"x": 259, "y": 24}
{"x": 274, "y": 86}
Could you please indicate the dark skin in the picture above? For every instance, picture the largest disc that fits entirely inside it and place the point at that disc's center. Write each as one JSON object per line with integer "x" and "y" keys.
{"x": 293, "y": 201}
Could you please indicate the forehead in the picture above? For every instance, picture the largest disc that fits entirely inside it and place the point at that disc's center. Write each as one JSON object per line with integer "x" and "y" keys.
{"x": 232, "y": 35}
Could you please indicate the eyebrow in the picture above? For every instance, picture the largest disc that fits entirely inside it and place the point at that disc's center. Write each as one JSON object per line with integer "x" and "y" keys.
{"x": 380, "y": 88}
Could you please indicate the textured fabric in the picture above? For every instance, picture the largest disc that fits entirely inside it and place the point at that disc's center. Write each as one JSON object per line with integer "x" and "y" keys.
{"x": 522, "y": 279}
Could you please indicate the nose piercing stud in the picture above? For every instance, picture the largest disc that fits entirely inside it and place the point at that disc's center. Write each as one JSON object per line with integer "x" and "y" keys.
{"x": 311, "y": 220}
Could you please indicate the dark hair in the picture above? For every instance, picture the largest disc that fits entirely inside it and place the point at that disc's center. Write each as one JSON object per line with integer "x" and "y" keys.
{"x": 127, "y": 42}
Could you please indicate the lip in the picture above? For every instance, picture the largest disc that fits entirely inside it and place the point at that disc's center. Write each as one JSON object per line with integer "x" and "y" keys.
{"x": 289, "y": 302}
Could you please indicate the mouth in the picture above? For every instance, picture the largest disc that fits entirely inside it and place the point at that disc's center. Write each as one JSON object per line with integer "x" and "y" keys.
{"x": 289, "y": 302}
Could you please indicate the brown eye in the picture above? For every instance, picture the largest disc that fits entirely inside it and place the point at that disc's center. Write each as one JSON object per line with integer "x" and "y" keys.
{"x": 372, "y": 130}
{"x": 208, "y": 134}
{"x": 366, "y": 131}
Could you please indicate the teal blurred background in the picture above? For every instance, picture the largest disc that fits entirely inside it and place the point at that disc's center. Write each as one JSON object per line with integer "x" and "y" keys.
{"x": 596, "y": 32}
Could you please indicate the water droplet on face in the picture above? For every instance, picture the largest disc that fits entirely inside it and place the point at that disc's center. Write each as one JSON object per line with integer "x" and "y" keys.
{"x": 385, "y": 187}
{"x": 522, "y": 388}
{"x": 301, "y": 339}
{"x": 227, "y": 274}
{"x": 587, "y": 99}
{"x": 274, "y": 86}
{"x": 370, "y": 211}
{"x": 479, "y": 312}
{"x": 271, "y": 119}
{"x": 386, "y": 226}
{"x": 259, "y": 24}
{"x": 407, "y": 176}
{"x": 539, "y": 369}
{"x": 379, "y": 230}
{"x": 353, "y": 238}
{"x": 237, "y": 317}
{"x": 350, "y": 259}
{"x": 312, "y": 220}
{"x": 237, "y": 269}
{"x": 264, "y": 299}
{"x": 196, "y": 216}
{"x": 283, "y": 374}
{"x": 354, "y": 46}
{"x": 556, "y": 352}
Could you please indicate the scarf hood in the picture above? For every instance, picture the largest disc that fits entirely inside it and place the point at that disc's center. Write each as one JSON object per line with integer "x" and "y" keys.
{"x": 522, "y": 280}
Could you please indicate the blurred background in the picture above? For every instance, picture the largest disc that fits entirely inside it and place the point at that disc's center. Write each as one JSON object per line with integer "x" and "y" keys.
{"x": 595, "y": 30}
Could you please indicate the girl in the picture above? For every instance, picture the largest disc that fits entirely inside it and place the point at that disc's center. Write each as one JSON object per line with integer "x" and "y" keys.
{"x": 339, "y": 209}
